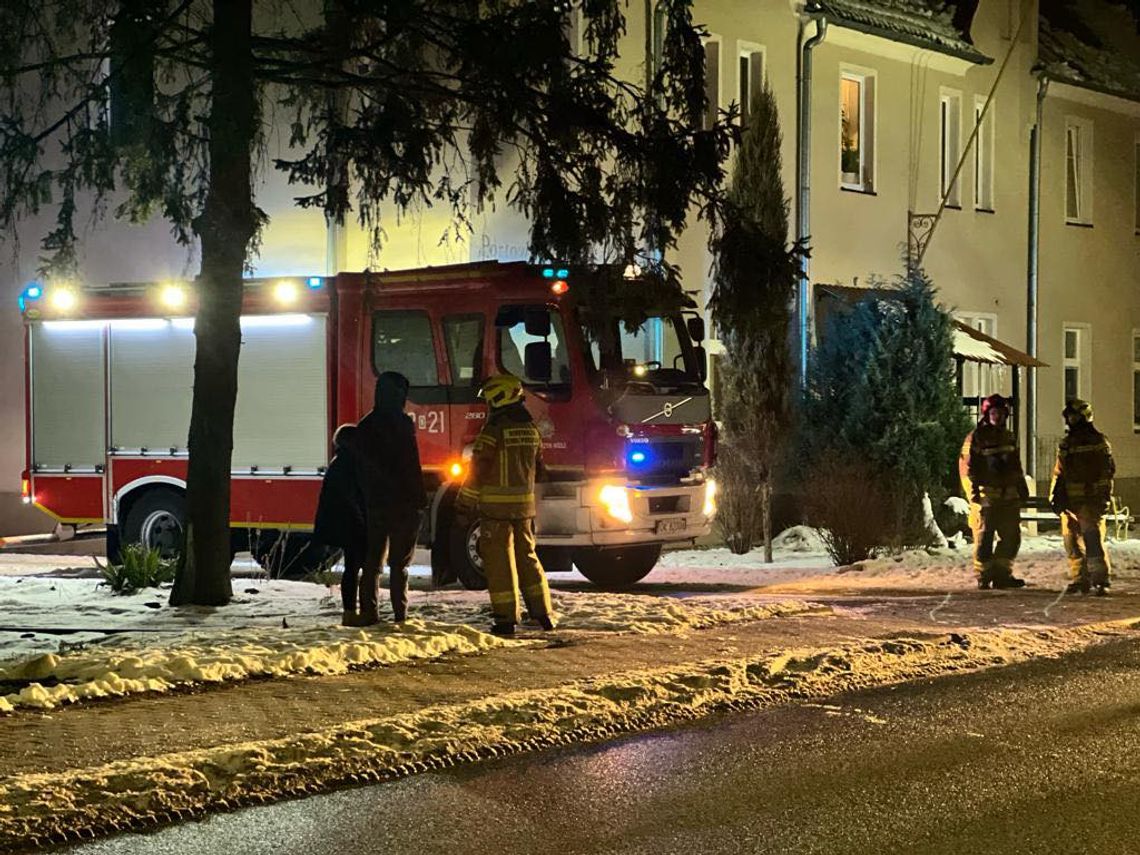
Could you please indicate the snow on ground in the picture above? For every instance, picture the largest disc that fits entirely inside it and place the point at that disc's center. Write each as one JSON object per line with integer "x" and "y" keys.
{"x": 124, "y": 644}
{"x": 136, "y": 643}
{"x": 145, "y": 790}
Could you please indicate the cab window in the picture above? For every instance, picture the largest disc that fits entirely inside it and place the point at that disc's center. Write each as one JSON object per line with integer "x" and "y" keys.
{"x": 402, "y": 341}
{"x": 521, "y": 327}
{"x": 463, "y": 335}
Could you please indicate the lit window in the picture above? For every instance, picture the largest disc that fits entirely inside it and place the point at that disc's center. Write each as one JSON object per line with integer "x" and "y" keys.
{"x": 984, "y": 157}
{"x": 712, "y": 82}
{"x": 1136, "y": 381}
{"x": 1075, "y": 359}
{"x": 950, "y": 125}
{"x": 750, "y": 78}
{"x": 1078, "y": 171}
{"x": 857, "y": 137}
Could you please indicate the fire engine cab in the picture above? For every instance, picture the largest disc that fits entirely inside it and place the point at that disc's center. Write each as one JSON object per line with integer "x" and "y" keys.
{"x": 625, "y": 416}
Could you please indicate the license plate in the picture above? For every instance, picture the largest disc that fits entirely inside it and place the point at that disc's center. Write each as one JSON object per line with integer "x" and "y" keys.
{"x": 672, "y": 526}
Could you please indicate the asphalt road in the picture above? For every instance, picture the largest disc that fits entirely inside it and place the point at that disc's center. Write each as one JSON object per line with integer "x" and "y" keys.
{"x": 1042, "y": 757}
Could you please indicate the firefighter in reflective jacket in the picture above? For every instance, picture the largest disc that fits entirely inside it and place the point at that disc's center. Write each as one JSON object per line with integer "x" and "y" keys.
{"x": 992, "y": 478}
{"x": 1081, "y": 494}
{"x": 507, "y": 457}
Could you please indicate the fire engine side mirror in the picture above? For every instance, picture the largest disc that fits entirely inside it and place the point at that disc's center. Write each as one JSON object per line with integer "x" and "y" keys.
{"x": 537, "y": 322}
{"x": 696, "y": 327}
{"x": 538, "y": 361}
{"x": 702, "y": 362}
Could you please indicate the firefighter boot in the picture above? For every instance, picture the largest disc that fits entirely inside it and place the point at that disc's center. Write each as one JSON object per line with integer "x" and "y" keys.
{"x": 503, "y": 630}
{"x": 1080, "y": 585}
{"x": 1098, "y": 575}
{"x": 1008, "y": 580}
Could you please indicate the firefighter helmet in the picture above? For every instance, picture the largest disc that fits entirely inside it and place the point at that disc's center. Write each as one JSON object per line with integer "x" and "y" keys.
{"x": 994, "y": 402}
{"x": 501, "y": 391}
{"x": 1077, "y": 407}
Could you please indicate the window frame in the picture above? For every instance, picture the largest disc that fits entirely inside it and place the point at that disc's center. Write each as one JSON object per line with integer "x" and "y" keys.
{"x": 464, "y": 392}
{"x": 712, "y": 108}
{"x": 1083, "y": 173}
{"x": 552, "y": 391}
{"x": 984, "y": 156}
{"x": 1082, "y": 362}
{"x": 982, "y": 376}
{"x": 1135, "y": 374}
{"x": 748, "y": 51}
{"x": 867, "y": 79}
{"x": 949, "y": 146}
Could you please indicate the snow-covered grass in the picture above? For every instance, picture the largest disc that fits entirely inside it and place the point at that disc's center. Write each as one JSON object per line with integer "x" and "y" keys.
{"x": 145, "y": 790}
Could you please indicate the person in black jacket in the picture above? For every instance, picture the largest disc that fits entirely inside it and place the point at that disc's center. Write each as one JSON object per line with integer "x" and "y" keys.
{"x": 340, "y": 516}
{"x": 394, "y": 495}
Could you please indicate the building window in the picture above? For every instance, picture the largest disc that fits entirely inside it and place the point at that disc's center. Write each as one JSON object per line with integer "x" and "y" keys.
{"x": 984, "y": 156}
{"x": 1136, "y": 183}
{"x": 978, "y": 379}
{"x": 1136, "y": 381}
{"x": 857, "y": 131}
{"x": 1075, "y": 361}
{"x": 575, "y": 30}
{"x": 1078, "y": 171}
{"x": 950, "y": 125}
{"x": 712, "y": 81}
{"x": 750, "y": 78}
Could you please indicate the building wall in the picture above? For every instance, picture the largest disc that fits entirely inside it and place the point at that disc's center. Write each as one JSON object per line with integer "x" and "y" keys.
{"x": 1090, "y": 275}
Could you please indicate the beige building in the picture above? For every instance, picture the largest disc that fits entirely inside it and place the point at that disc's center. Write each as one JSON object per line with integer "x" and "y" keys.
{"x": 896, "y": 90}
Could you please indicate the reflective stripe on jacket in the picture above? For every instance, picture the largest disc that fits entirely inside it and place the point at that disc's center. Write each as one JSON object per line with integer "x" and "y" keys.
{"x": 507, "y": 456}
{"x": 990, "y": 466}
{"x": 1083, "y": 473}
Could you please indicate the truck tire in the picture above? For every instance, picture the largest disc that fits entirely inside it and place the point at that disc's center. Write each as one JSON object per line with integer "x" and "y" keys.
{"x": 464, "y": 555}
{"x": 617, "y": 568}
{"x": 156, "y": 519}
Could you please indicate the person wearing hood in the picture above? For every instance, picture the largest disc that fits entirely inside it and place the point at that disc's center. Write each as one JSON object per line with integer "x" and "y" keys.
{"x": 1081, "y": 494}
{"x": 340, "y": 519}
{"x": 393, "y": 486}
{"x": 506, "y": 460}
{"x": 994, "y": 484}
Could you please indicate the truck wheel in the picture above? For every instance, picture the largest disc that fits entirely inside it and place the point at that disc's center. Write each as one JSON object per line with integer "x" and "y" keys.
{"x": 155, "y": 519}
{"x": 465, "y": 560}
{"x": 619, "y": 567}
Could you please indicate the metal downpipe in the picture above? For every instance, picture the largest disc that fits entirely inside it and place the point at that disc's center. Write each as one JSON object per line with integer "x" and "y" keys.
{"x": 803, "y": 181}
{"x": 1031, "y": 297}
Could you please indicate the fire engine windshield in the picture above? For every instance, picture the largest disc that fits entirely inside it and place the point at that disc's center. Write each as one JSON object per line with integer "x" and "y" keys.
{"x": 659, "y": 353}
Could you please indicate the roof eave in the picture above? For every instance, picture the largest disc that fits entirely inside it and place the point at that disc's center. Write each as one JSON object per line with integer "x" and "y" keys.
{"x": 1092, "y": 87}
{"x": 972, "y": 56}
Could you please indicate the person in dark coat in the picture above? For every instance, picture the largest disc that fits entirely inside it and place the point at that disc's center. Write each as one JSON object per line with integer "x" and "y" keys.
{"x": 340, "y": 516}
{"x": 394, "y": 495}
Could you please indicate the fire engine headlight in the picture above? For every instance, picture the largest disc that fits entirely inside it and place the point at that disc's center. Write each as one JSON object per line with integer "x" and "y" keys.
{"x": 616, "y": 502}
{"x": 286, "y": 293}
{"x": 710, "y": 498}
{"x": 63, "y": 299}
{"x": 172, "y": 296}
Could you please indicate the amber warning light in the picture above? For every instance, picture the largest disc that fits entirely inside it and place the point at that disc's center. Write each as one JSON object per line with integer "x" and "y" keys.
{"x": 26, "y": 491}
{"x": 456, "y": 469}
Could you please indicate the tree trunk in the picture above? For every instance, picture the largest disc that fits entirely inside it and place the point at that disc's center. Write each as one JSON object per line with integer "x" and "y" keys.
{"x": 225, "y": 228}
{"x": 766, "y": 512}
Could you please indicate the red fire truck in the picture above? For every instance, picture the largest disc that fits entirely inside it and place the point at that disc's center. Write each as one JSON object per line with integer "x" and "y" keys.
{"x": 625, "y": 416}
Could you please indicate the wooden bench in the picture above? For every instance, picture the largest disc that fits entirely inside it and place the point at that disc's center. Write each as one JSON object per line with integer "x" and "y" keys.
{"x": 1036, "y": 510}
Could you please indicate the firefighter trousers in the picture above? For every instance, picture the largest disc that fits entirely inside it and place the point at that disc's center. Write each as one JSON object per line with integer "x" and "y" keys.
{"x": 511, "y": 564}
{"x": 390, "y": 534}
{"x": 1084, "y": 532}
{"x": 1003, "y": 521}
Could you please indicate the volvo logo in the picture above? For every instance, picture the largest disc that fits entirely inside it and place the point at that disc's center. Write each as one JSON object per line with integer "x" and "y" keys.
{"x": 667, "y": 409}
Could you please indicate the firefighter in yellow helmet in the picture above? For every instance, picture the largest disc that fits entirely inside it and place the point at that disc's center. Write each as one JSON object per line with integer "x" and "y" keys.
{"x": 507, "y": 457}
{"x": 1081, "y": 494}
{"x": 992, "y": 478}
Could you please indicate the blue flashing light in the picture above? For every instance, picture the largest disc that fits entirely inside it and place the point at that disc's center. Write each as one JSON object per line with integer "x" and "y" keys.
{"x": 548, "y": 273}
{"x": 315, "y": 282}
{"x": 637, "y": 457}
{"x": 33, "y": 292}
{"x": 563, "y": 273}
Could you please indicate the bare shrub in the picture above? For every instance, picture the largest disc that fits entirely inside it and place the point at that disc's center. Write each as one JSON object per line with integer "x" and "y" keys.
{"x": 740, "y": 517}
{"x": 855, "y": 512}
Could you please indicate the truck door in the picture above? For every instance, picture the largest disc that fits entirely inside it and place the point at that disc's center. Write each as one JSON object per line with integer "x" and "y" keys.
{"x": 405, "y": 340}
{"x": 464, "y": 336}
